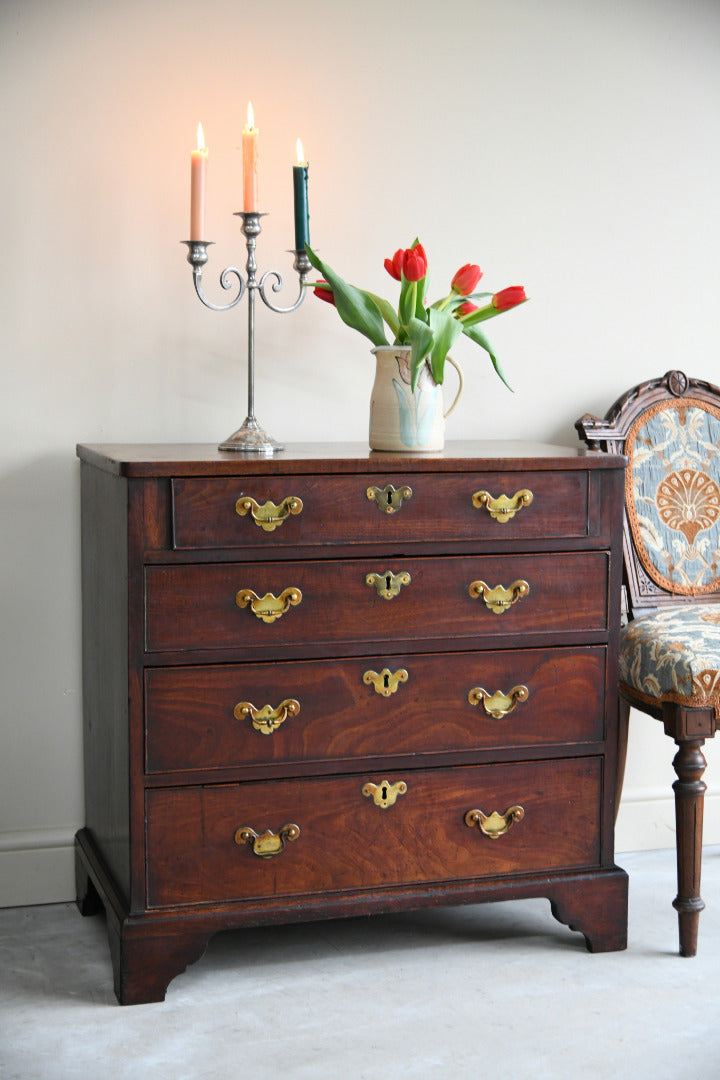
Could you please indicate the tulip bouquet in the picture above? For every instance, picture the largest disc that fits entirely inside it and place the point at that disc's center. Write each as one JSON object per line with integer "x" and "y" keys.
{"x": 431, "y": 330}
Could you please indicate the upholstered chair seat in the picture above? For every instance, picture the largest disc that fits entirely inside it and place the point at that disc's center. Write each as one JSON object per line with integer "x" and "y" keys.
{"x": 673, "y": 655}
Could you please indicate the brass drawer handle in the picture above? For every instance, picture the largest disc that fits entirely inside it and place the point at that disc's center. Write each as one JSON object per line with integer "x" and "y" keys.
{"x": 389, "y": 499}
{"x": 494, "y": 825}
{"x": 268, "y": 607}
{"x": 387, "y": 584}
{"x": 502, "y": 508}
{"x": 269, "y": 515}
{"x": 268, "y": 843}
{"x": 498, "y": 705}
{"x": 499, "y": 599}
{"x": 384, "y": 794}
{"x": 385, "y": 682}
{"x": 267, "y": 720}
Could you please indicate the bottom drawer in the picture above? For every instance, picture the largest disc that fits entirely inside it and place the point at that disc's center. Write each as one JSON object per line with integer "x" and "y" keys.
{"x": 201, "y": 849}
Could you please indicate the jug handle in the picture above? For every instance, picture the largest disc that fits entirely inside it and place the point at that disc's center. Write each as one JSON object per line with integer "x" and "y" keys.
{"x": 460, "y": 387}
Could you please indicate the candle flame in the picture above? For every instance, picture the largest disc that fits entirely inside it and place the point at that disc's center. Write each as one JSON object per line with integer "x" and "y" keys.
{"x": 299, "y": 151}
{"x": 250, "y": 116}
{"x": 200, "y": 137}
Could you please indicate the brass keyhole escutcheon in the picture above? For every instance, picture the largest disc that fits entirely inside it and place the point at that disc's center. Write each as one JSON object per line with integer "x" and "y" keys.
{"x": 384, "y": 794}
{"x": 499, "y": 599}
{"x": 494, "y": 825}
{"x": 387, "y": 584}
{"x": 498, "y": 705}
{"x": 389, "y": 499}
{"x": 502, "y": 508}
{"x": 386, "y": 681}
{"x": 270, "y": 515}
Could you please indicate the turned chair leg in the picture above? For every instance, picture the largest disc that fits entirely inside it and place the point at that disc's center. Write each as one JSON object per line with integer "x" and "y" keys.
{"x": 689, "y": 791}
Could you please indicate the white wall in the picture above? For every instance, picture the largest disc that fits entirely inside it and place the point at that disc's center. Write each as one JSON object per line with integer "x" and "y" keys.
{"x": 567, "y": 145}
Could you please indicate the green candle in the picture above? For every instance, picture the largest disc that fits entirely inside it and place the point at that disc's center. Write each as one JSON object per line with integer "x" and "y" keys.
{"x": 300, "y": 193}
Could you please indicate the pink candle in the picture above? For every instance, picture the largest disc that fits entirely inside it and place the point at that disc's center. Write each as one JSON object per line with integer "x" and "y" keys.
{"x": 198, "y": 171}
{"x": 250, "y": 162}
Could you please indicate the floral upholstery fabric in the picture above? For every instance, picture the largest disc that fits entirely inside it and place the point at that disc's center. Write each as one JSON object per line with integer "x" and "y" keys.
{"x": 673, "y": 494}
{"x": 674, "y": 655}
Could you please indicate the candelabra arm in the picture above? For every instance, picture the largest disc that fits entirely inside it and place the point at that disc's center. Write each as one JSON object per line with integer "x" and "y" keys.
{"x": 302, "y": 265}
{"x": 197, "y": 257}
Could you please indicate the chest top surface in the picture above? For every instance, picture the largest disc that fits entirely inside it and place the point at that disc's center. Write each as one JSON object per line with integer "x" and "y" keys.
{"x": 199, "y": 459}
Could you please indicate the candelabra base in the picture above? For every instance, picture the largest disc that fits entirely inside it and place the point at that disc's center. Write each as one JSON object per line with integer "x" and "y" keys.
{"x": 250, "y": 438}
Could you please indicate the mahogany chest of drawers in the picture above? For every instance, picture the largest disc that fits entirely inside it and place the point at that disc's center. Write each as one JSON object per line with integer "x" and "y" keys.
{"x": 336, "y": 682}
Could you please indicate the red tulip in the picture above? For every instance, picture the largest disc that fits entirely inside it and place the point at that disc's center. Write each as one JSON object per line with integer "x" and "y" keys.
{"x": 394, "y": 266}
{"x": 507, "y": 298}
{"x": 467, "y": 308}
{"x": 466, "y": 279}
{"x": 415, "y": 263}
{"x": 323, "y": 291}
{"x": 412, "y": 262}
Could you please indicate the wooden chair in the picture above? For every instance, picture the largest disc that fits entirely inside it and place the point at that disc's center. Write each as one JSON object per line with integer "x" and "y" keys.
{"x": 670, "y": 648}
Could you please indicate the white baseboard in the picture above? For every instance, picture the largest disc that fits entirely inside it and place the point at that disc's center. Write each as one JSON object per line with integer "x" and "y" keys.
{"x": 37, "y": 866}
{"x": 647, "y": 820}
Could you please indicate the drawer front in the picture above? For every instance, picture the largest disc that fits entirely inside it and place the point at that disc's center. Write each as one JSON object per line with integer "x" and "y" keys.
{"x": 197, "y": 606}
{"x": 249, "y": 714}
{"x": 234, "y": 512}
{"x": 201, "y": 848}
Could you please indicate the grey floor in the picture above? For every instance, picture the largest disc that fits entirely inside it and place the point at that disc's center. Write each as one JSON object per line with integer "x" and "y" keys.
{"x": 490, "y": 992}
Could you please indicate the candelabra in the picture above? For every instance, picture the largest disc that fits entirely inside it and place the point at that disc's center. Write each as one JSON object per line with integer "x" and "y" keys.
{"x": 250, "y": 437}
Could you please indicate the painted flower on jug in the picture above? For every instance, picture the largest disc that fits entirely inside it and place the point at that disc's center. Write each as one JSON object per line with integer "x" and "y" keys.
{"x": 425, "y": 379}
{"x": 429, "y": 329}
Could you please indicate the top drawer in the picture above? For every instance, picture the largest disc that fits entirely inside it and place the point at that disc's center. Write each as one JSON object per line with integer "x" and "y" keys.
{"x": 279, "y": 512}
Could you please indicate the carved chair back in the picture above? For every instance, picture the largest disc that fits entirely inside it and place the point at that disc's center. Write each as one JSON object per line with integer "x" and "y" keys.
{"x": 669, "y": 428}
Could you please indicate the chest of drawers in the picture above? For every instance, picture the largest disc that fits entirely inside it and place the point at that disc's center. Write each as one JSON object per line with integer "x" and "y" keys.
{"x": 336, "y": 682}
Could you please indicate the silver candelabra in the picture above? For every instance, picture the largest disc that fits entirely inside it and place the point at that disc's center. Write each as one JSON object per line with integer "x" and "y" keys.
{"x": 250, "y": 437}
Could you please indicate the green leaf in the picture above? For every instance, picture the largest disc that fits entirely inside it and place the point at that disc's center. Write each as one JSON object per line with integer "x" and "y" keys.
{"x": 476, "y": 335}
{"x": 356, "y": 308}
{"x": 421, "y": 339}
{"x": 446, "y": 330}
{"x": 387, "y": 311}
{"x": 483, "y": 313}
{"x": 454, "y": 300}
{"x": 408, "y": 297}
{"x": 420, "y": 301}
{"x": 475, "y": 296}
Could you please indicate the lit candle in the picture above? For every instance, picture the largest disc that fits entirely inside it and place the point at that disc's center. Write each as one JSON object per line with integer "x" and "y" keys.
{"x": 250, "y": 161}
{"x": 300, "y": 192}
{"x": 198, "y": 170}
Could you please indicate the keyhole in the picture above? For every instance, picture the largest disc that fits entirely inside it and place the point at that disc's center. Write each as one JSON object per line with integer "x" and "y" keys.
{"x": 387, "y": 582}
{"x": 384, "y": 793}
{"x": 386, "y": 681}
{"x": 389, "y": 497}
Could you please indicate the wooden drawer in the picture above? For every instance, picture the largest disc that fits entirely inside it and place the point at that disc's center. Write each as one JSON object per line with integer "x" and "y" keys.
{"x": 347, "y": 842}
{"x": 337, "y": 510}
{"x": 191, "y": 722}
{"x": 194, "y": 606}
